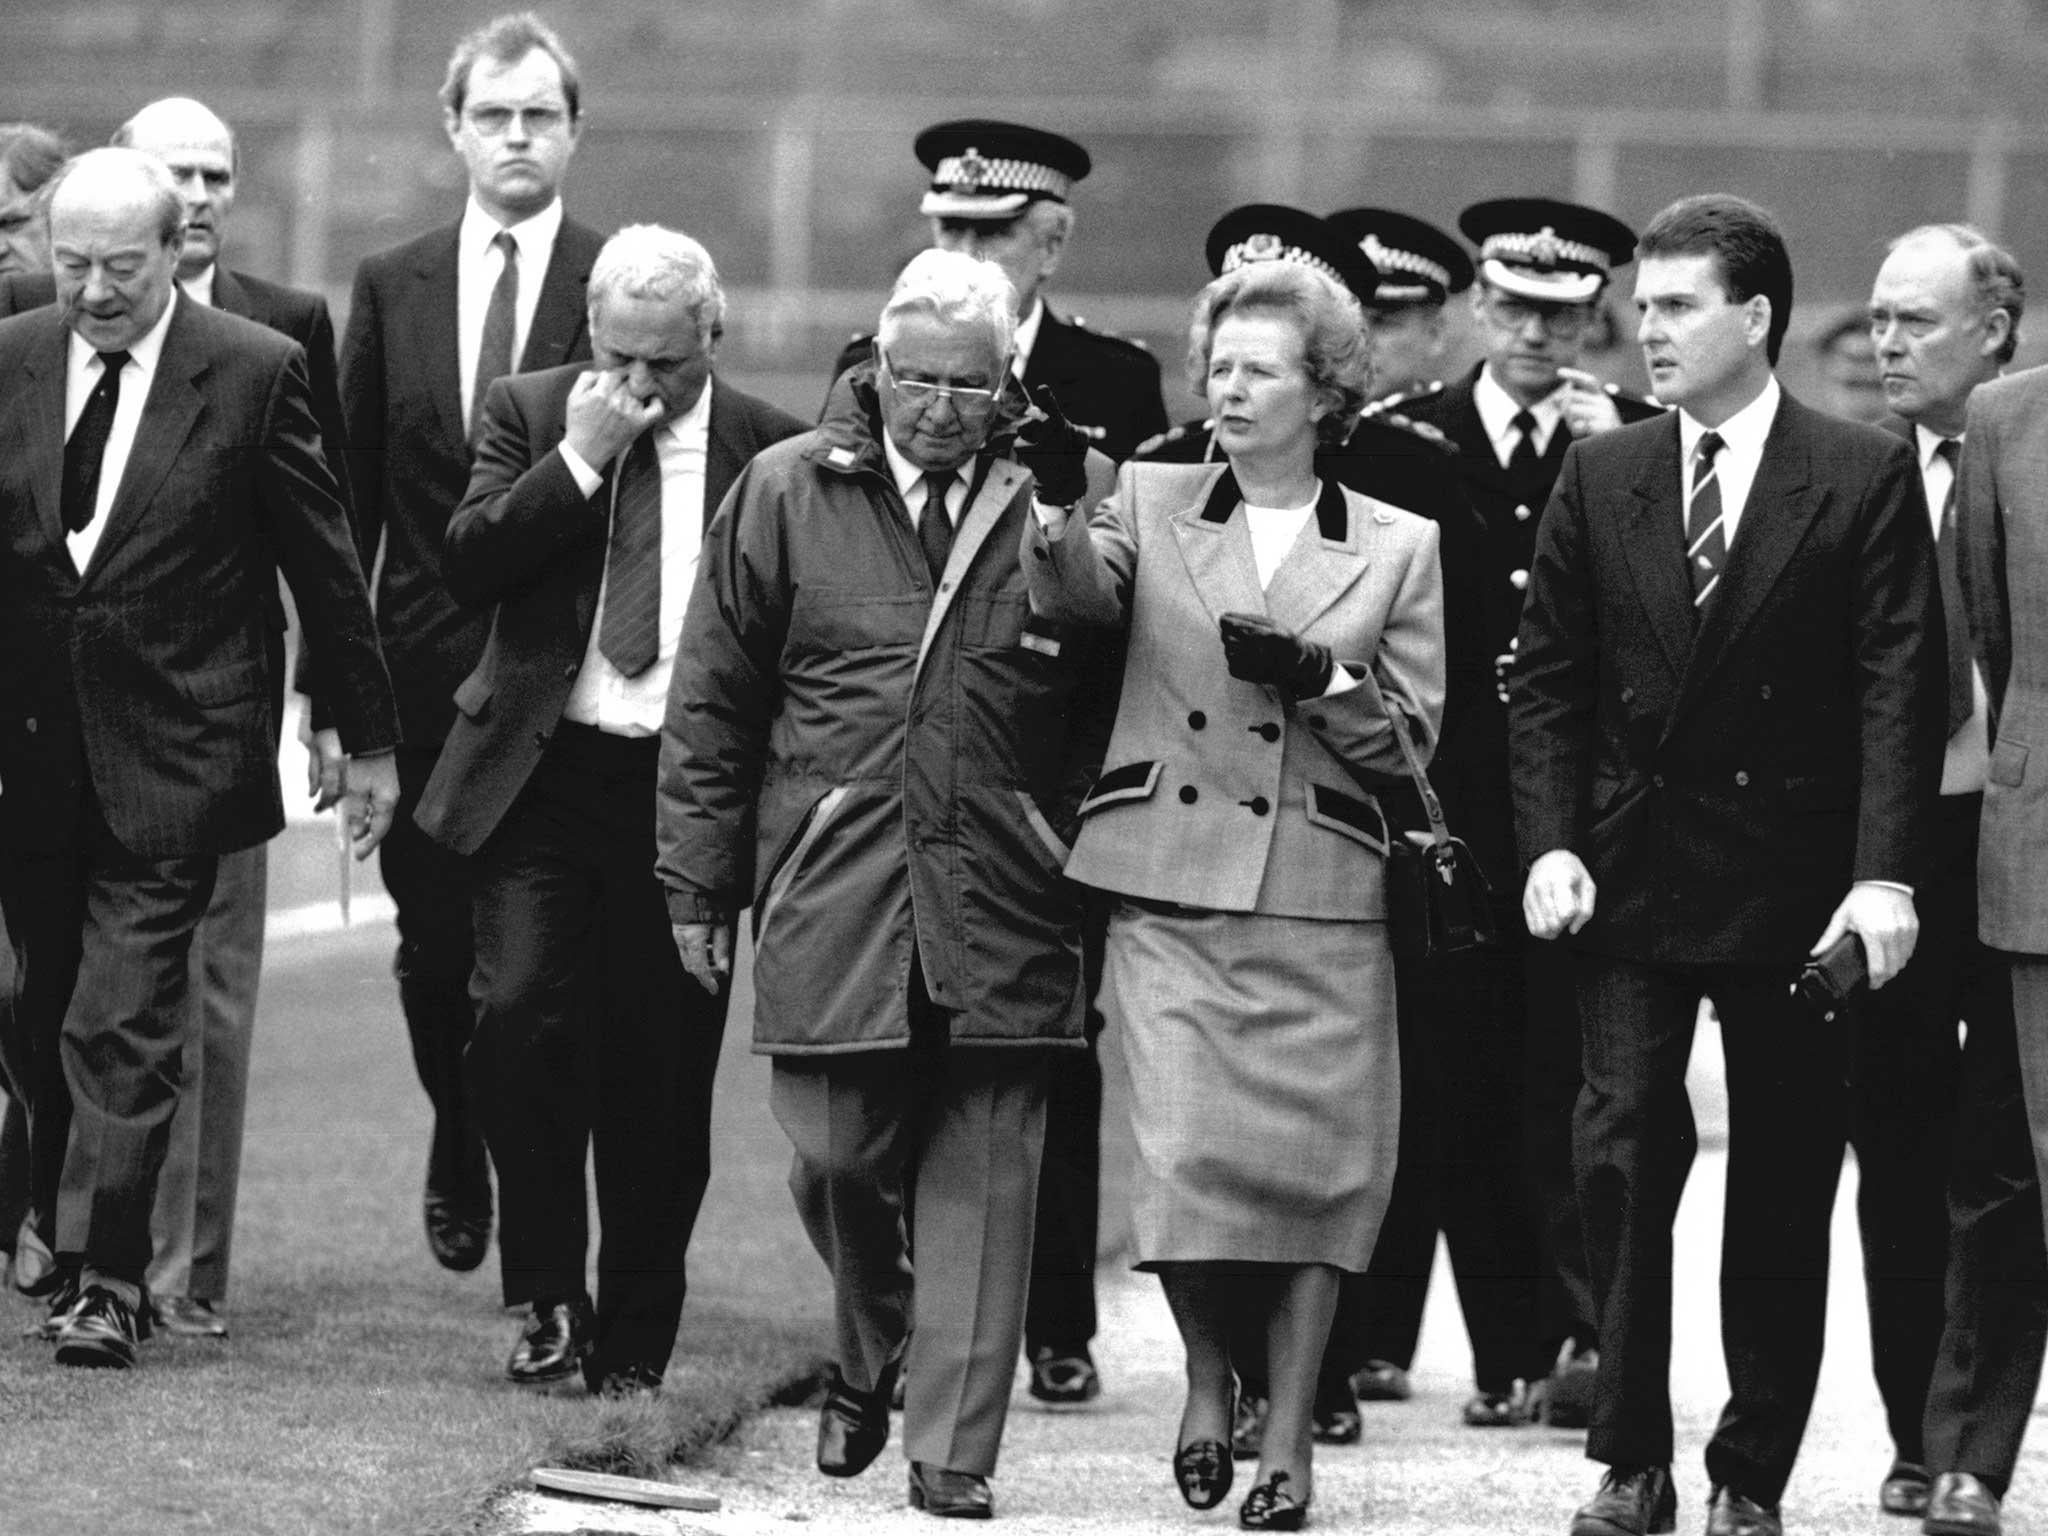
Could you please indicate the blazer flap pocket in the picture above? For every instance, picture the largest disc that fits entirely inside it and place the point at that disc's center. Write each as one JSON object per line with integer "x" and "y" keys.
{"x": 2009, "y": 763}
{"x": 1361, "y": 820}
{"x": 1132, "y": 781}
{"x": 223, "y": 685}
{"x": 472, "y": 694}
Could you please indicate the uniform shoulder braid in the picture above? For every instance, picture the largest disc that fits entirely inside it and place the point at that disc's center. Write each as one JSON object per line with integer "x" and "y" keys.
{"x": 1128, "y": 343}
{"x": 1397, "y": 403}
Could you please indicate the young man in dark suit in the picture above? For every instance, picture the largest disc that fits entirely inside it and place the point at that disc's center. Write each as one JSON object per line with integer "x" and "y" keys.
{"x": 431, "y": 323}
{"x": 1726, "y": 727}
{"x": 578, "y": 540}
{"x": 169, "y": 466}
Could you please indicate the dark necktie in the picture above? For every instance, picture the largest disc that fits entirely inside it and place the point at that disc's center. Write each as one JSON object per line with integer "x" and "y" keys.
{"x": 88, "y": 444}
{"x": 629, "y": 636}
{"x": 1706, "y": 539}
{"x": 934, "y": 527}
{"x": 1962, "y": 700}
{"x": 494, "y": 352}
{"x": 1525, "y": 464}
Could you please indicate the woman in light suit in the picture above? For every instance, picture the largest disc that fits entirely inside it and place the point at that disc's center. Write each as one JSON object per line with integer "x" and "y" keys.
{"x": 1274, "y": 620}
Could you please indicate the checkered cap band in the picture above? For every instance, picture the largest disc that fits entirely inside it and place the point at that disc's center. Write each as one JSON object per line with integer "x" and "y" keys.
{"x": 1259, "y": 248}
{"x": 1385, "y": 258}
{"x": 972, "y": 173}
{"x": 1545, "y": 248}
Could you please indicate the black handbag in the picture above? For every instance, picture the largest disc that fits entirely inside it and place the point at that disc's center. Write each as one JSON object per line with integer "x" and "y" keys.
{"x": 1438, "y": 901}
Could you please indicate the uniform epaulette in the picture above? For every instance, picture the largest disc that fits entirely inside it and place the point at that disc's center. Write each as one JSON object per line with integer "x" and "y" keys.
{"x": 860, "y": 338}
{"x": 1427, "y": 431}
{"x": 1080, "y": 323}
{"x": 1379, "y": 408}
{"x": 1171, "y": 436}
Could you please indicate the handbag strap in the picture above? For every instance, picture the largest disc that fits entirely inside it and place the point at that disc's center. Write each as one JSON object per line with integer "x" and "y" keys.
{"x": 1439, "y": 830}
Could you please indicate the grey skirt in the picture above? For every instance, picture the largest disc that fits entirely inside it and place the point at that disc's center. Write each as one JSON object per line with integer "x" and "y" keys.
{"x": 1265, "y": 1084}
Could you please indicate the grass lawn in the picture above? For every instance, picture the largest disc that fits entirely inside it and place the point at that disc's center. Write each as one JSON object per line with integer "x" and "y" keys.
{"x": 361, "y": 1389}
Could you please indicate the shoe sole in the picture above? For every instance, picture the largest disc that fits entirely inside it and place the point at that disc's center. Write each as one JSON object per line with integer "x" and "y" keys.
{"x": 972, "y": 1512}
{"x": 96, "y": 1354}
{"x": 1593, "y": 1525}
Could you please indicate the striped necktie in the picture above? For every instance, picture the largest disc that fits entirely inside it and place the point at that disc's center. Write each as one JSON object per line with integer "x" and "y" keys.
{"x": 629, "y": 634}
{"x": 1706, "y": 540}
{"x": 1962, "y": 690}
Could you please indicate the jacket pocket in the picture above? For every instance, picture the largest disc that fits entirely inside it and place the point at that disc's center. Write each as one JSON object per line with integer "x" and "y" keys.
{"x": 1035, "y": 818}
{"x": 473, "y": 694}
{"x": 223, "y": 685}
{"x": 2009, "y": 763}
{"x": 1132, "y": 781}
{"x": 811, "y": 829}
{"x": 1348, "y": 816}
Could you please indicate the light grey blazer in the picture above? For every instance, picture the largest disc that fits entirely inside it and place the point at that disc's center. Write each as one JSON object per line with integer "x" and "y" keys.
{"x": 2002, "y": 532}
{"x": 1215, "y": 793}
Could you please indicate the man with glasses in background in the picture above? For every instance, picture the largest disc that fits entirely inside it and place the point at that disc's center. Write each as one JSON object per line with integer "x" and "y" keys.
{"x": 1543, "y": 266}
{"x": 869, "y": 742}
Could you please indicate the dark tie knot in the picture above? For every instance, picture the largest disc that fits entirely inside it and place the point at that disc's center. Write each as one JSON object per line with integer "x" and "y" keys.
{"x": 111, "y": 363}
{"x": 937, "y": 482}
{"x": 1525, "y": 423}
{"x": 1710, "y": 445}
{"x": 504, "y": 241}
{"x": 1949, "y": 448}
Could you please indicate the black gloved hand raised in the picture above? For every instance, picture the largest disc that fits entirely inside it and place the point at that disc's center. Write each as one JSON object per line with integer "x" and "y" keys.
{"x": 1259, "y": 651}
{"x": 1054, "y": 450}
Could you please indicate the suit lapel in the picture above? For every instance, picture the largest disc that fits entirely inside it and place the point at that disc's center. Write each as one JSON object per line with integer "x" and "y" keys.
{"x": 560, "y": 313}
{"x": 1216, "y": 547}
{"x": 1653, "y": 544}
{"x": 230, "y": 295}
{"x": 431, "y": 319}
{"x": 1327, "y": 559}
{"x": 43, "y": 404}
{"x": 725, "y": 455}
{"x": 168, "y": 412}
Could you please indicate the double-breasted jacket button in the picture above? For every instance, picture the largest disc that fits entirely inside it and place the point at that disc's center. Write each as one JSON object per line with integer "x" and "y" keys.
{"x": 1522, "y": 513}
{"x": 1317, "y": 722}
{"x": 31, "y": 724}
{"x": 1519, "y": 580}
{"x": 1196, "y": 719}
{"x": 1189, "y": 794}
{"x": 1764, "y": 691}
{"x": 1741, "y": 778}
{"x": 1268, "y": 731}
{"x": 1258, "y": 805}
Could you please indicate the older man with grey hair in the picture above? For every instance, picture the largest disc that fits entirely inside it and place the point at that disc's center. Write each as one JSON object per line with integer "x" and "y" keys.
{"x": 579, "y": 537}
{"x": 868, "y": 743}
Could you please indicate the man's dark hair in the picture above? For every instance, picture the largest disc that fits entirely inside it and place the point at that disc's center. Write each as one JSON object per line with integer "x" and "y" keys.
{"x": 507, "y": 40}
{"x": 29, "y": 155}
{"x": 1746, "y": 244}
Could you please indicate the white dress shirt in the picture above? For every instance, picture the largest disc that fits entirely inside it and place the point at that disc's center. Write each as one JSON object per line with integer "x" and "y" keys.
{"x": 1966, "y": 766}
{"x": 602, "y": 695}
{"x": 1274, "y": 531}
{"x": 199, "y": 289}
{"x": 1742, "y": 450}
{"x": 1027, "y": 338}
{"x": 910, "y": 483}
{"x": 477, "y": 265}
{"x": 81, "y": 376}
{"x": 1497, "y": 410}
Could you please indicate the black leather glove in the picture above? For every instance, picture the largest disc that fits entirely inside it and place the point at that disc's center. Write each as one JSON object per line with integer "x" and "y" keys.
{"x": 1259, "y": 651}
{"x": 1054, "y": 450}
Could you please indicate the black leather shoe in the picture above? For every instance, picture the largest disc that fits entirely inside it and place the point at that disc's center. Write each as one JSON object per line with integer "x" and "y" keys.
{"x": 1960, "y": 1505}
{"x": 102, "y": 1330}
{"x": 1731, "y": 1513}
{"x": 1248, "y": 1428}
{"x": 457, "y": 1207}
{"x": 1632, "y": 1501}
{"x": 1064, "y": 1377}
{"x": 1567, "y": 1395}
{"x": 950, "y": 1495}
{"x": 1270, "y": 1507}
{"x": 1381, "y": 1381}
{"x": 1333, "y": 1420}
{"x": 1904, "y": 1489}
{"x": 189, "y": 1317}
{"x": 553, "y": 1343}
{"x": 852, "y": 1426}
{"x": 1498, "y": 1410}
{"x": 625, "y": 1381}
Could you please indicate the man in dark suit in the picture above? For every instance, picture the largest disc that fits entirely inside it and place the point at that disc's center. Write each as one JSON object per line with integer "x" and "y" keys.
{"x": 1726, "y": 728}
{"x": 169, "y": 466}
{"x": 579, "y": 538}
{"x": 1944, "y": 1183}
{"x": 431, "y": 323}
{"x": 1543, "y": 266}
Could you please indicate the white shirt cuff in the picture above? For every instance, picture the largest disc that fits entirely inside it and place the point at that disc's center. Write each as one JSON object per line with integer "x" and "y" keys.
{"x": 1891, "y": 885}
{"x": 587, "y": 479}
{"x": 1341, "y": 681}
{"x": 1052, "y": 521}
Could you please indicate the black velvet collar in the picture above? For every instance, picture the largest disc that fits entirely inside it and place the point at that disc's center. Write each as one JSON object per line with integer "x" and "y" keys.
{"x": 1333, "y": 517}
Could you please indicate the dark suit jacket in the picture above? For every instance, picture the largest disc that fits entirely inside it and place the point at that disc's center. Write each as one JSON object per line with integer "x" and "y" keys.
{"x": 409, "y": 461}
{"x": 1107, "y": 386}
{"x": 1725, "y": 788}
{"x": 527, "y": 551}
{"x": 160, "y": 649}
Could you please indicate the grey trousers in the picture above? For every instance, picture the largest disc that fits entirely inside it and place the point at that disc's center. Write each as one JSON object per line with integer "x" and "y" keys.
{"x": 193, "y": 1223}
{"x": 958, "y": 1134}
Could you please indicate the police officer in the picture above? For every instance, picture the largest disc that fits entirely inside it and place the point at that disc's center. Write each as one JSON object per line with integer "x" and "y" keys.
{"x": 1000, "y": 191}
{"x": 1419, "y": 268}
{"x": 1542, "y": 267}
